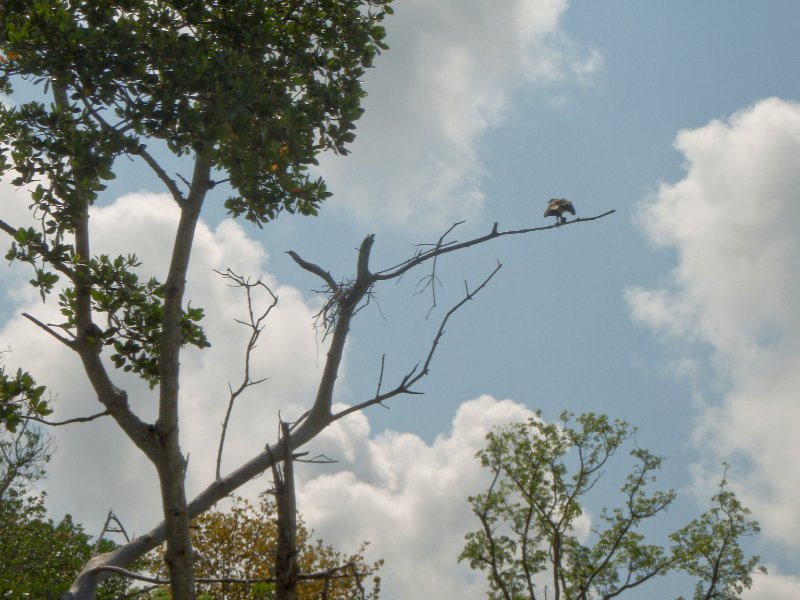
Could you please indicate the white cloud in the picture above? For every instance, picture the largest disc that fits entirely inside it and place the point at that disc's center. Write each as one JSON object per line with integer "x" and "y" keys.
{"x": 446, "y": 80}
{"x": 95, "y": 467}
{"x": 773, "y": 586}
{"x": 733, "y": 222}
{"x": 407, "y": 497}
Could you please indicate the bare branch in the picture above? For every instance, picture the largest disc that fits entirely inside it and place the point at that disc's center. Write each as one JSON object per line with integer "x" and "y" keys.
{"x": 421, "y": 257}
{"x": 255, "y": 324}
{"x": 12, "y": 231}
{"x": 315, "y": 269}
{"x": 174, "y": 191}
{"x": 416, "y": 374}
{"x": 105, "y": 413}
{"x": 319, "y": 459}
{"x": 107, "y": 529}
{"x": 71, "y": 344}
{"x": 431, "y": 279}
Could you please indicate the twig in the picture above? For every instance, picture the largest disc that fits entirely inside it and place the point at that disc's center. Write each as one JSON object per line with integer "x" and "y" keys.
{"x": 256, "y": 326}
{"x": 105, "y": 413}
{"x": 107, "y": 529}
{"x": 380, "y": 379}
{"x": 430, "y": 280}
{"x": 66, "y": 341}
{"x": 319, "y": 459}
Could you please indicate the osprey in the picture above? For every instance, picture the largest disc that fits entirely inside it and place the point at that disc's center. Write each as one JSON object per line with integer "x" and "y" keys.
{"x": 557, "y": 207}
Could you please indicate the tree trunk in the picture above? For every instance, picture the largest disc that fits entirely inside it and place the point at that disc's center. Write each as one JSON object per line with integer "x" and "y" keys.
{"x": 179, "y": 555}
{"x": 286, "y": 567}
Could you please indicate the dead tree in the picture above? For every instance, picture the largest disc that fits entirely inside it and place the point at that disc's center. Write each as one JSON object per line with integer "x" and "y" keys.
{"x": 344, "y": 298}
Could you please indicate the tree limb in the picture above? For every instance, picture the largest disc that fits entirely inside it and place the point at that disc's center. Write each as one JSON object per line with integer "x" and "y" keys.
{"x": 416, "y": 374}
{"x": 315, "y": 269}
{"x": 105, "y": 413}
{"x": 71, "y": 344}
{"x": 255, "y": 324}
{"x": 422, "y": 257}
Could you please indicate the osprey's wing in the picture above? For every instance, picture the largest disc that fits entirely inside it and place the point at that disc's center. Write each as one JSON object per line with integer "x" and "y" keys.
{"x": 558, "y": 206}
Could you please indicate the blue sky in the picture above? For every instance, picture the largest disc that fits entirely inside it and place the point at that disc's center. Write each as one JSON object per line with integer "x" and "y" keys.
{"x": 679, "y": 313}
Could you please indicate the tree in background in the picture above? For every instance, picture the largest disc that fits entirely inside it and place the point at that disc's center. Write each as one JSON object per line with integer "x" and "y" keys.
{"x": 542, "y": 473}
{"x": 38, "y": 556}
{"x": 235, "y": 547}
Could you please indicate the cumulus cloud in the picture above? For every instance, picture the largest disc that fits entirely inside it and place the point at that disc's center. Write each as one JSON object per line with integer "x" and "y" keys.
{"x": 407, "y": 497}
{"x": 95, "y": 467}
{"x": 732, "y": 221}
{"x": 774, "y": 586}
{"x": 447, "y": 79}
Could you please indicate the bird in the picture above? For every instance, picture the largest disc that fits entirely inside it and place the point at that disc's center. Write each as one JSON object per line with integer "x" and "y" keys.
{"x": 556, "y": 207}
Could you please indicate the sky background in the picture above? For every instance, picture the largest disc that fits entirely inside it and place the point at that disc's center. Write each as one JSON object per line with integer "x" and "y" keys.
{"x": 680, "y": 313}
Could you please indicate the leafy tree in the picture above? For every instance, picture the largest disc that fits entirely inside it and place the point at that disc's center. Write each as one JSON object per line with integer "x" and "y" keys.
{"x": 39, "y": 556}
{"x": 247, "y": 92}
{"x": 235, "y": 547}
{"x": 24, "y": 452}
{"x": 541, "y": 476}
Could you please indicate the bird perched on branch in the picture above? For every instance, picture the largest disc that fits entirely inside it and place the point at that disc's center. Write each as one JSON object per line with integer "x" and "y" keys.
{"x": 557, "y": 207}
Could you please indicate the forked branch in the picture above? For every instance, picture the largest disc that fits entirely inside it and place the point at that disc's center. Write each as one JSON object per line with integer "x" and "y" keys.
{"x": 413, "y": 376}
{"x": 255, "y": 323}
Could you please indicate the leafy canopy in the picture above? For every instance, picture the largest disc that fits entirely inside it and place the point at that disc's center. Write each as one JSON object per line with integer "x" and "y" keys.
{"x": 262, "y": 86}
{"x": 240, "y": 543}
{"x": 256, "y": 87}
{"x": 542, "y": 474}
{"x": 39, "y": 557}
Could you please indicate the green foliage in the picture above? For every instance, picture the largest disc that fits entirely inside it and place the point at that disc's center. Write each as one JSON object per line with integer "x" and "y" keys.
{"x": 40, "y": 557}
{"x": 710, "y": 551}
{"x": 261, "y": 86}
{"x": 24, "y": 452}
{"x": 240, "y": 543}
{"x": 541, "y": 475}
{"x": 133, "y": 311}
{"x": 20, "y": 396}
